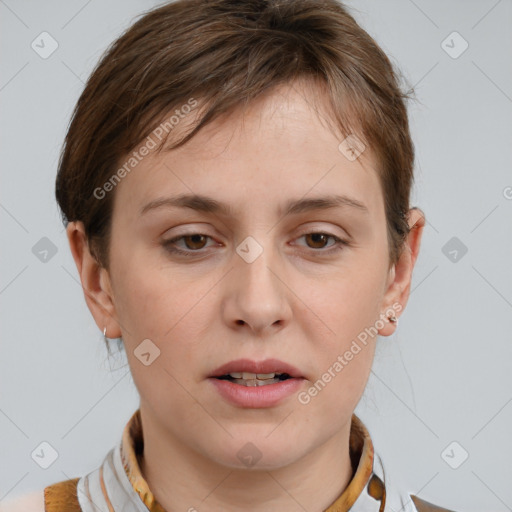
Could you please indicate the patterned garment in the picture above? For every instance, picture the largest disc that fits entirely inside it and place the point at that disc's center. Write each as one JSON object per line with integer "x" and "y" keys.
{"x": 118, "y": 484}
{"x": 361, "y": 449}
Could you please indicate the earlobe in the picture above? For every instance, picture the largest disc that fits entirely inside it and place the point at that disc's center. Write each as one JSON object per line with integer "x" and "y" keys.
{"x": 399, "y": 288}
{"x": 95, "y": 281}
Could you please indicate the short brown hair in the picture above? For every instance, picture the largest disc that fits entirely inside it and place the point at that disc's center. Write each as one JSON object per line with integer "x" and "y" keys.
{"x": 226, "y": 53}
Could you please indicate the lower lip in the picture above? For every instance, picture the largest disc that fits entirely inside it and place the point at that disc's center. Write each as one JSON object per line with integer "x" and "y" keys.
{"x": 256, "y": 396}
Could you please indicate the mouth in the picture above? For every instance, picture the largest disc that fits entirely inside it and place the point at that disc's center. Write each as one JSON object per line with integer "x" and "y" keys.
{"x": 252, "y": 384}
{"x": 256, "y": 373}
{"x": 254, "y": 379}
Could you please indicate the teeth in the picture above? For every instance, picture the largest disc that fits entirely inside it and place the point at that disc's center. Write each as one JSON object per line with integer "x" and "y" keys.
{"x": 255, "y": 382}
{"x": 251, "y": 376}
{"x": 265, "y": 376}
{"x": 254, "y": 379}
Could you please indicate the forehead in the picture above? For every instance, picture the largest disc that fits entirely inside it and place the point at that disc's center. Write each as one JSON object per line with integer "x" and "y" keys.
{"x": 282, "y": 145}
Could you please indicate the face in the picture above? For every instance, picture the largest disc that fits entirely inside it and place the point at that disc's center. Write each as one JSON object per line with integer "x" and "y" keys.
{"x": 246, "y": 277}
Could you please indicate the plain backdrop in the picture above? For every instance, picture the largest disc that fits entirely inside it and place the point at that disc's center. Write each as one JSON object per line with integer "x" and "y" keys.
{"x": 439, "y": 400}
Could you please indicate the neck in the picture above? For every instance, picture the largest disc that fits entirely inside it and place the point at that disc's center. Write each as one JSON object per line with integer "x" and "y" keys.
{"x": 183, "y": 479}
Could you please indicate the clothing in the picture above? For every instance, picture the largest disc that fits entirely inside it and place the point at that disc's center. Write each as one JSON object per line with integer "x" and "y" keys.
{"x": 118, "y": 485}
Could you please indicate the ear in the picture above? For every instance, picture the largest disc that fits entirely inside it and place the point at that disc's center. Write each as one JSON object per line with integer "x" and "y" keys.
{"x": 400, "y": 275}
{"x": 95, "y": 281}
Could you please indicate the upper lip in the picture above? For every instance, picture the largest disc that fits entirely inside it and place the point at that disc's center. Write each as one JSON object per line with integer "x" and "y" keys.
{"x": 249, "y": 366}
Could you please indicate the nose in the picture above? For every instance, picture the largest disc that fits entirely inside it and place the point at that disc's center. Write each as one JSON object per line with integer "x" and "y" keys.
{"x": 256, "y": 296}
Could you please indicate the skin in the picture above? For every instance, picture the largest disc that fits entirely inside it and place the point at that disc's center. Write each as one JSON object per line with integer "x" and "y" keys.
{"x": 295, "y": 302}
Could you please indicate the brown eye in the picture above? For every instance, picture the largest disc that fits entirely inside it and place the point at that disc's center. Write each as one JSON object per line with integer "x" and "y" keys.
{"x": 187, "y": 245}
{"x": 195, "y": 242}
{"x": 319, "y": 240}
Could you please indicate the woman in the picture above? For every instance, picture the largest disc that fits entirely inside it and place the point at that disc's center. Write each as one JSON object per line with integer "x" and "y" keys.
{"x": 235, "y": 184}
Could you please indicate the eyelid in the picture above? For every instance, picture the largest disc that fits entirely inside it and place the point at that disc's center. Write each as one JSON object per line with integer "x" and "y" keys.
{"x": 320, "y": 229}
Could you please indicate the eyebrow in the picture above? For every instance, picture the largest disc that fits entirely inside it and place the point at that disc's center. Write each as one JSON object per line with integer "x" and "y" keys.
{"x": 293, "y": 207}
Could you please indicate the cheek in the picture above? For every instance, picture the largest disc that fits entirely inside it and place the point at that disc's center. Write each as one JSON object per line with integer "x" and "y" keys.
{"x": 150, "y": 299}
{"x": 346, "y": 303}
{"x": 348, "y": 307}
{"x": 172, "y": 311}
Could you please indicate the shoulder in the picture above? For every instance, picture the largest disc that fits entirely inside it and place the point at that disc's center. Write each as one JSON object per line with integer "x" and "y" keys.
{"x": 53, "y": 498}
{"x": 30, "y": 502}
{"x": 398, "y": 491}
{"x": 425, "y": 506}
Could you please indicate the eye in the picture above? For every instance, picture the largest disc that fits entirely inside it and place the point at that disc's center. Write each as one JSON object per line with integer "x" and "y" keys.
{"x": 194, "y": 242}
{"x": 319, "y": 240}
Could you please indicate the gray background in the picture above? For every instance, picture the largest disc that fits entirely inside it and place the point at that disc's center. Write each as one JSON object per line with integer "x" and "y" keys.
{"x": 444, "y": 376}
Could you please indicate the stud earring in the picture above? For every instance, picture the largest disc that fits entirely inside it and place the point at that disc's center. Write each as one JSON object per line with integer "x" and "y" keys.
{"x": 393, "y": 319}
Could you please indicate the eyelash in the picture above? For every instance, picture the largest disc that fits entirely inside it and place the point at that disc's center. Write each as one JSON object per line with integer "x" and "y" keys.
{"x": 169, "y": 244}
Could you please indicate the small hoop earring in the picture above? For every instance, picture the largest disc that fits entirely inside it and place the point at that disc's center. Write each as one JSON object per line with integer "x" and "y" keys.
{"x": 393, "y": 319}
{"x": 108, "y": 339}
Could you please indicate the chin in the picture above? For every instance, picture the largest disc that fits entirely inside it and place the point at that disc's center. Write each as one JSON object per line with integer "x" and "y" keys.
{"x": 258, "y": 452}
